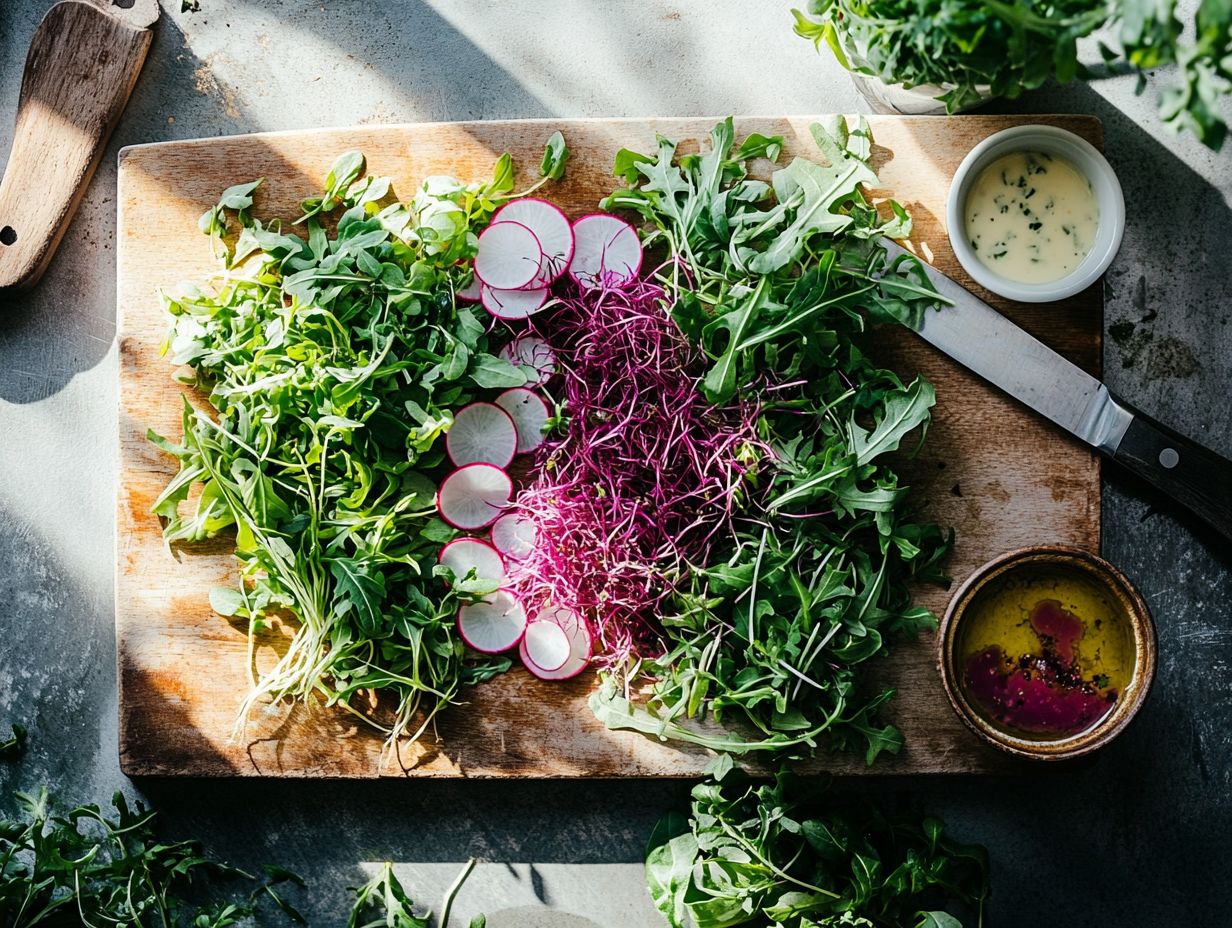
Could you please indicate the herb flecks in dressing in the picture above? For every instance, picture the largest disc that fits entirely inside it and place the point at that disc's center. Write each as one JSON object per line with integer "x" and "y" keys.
{"x": 1031, "y": 217}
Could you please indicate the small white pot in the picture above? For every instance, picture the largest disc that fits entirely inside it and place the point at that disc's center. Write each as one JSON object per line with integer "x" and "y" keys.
{"x": 1089, "y": 162}
{"x": 921, "y": 100}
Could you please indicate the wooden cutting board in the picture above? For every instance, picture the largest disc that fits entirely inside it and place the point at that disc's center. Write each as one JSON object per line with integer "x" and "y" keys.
{"x": 997, "y": 473}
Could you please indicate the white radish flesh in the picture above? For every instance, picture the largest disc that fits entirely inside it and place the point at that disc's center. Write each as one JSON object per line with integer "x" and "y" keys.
{"x": 509, "y": 256}
{"x": 529, "y": 414}
{"x": 512, "y": 305}
{"x": 482, "y": 433}
{"x": 550, "y": 226}
{"x": 514, "y": 535}
{"x": 473, "y": 497}
{"x": 531, "y": 351}
{"x": 581, "y": 645}
{"x": 606, "y": 251}
{"x": 545, "y": 646}
{"x": 462, "y": 555}
{"x": 493, "y": 624}
{"x": 472, "y": 291}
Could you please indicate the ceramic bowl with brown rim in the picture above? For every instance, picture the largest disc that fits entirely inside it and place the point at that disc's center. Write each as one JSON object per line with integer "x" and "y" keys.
{"x": 1047, "y": 652}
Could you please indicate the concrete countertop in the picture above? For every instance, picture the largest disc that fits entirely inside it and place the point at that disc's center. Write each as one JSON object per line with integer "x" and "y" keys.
{"x": 1139, "y": 837}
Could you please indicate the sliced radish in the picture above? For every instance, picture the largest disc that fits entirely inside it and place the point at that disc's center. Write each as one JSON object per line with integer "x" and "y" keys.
{"x": 533, "y": 352}
{"x": 472, "y": 292}
{"x": 529, "y": 414}
{"x": 606, "y": 251}
{"x": 474, "y": 496}
{"x": 482, "y": 433}
{"x": 581, "y": 645}
{"x": 511, "y": 305}
{"x": 551, "y": 228}
{"x": 545, "y": 646}
{"x": 514, "y": 535}
{"x": 462, "y": 555}
{"x": 493, "y": 624}
{"x": 509, "y": 256}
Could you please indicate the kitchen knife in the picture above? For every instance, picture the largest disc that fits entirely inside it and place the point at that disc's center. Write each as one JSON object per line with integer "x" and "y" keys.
{"x": 990, "y": 345}
{"x": 83, "y": 61}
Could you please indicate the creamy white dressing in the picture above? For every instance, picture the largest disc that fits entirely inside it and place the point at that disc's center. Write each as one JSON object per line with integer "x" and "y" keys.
{"x": 1031, "y": 217}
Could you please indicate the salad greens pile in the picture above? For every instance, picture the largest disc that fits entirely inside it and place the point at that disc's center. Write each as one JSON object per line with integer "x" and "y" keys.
{"x": 333, "y": 355}
{"x": 776, "y": 283}
{"x": 964, "y": 45}
{"x": 783, "y": 854}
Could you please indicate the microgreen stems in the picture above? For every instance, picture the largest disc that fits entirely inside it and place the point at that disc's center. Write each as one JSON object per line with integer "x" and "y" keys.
{"x": 646, "y": 477}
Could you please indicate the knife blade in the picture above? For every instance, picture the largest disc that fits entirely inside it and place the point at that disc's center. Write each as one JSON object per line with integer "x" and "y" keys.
{"x": 991, "y": 346}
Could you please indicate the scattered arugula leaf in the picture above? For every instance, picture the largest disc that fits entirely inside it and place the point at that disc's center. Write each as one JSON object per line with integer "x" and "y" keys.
{"x": 87, "y": 868}
{"x": 784, "y": 854}
{"x": 384, "y": 897}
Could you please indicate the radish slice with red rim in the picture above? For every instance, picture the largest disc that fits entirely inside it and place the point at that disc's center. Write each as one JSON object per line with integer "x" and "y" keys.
{"x": 545, "y": 647}
{"x": 473, "y": 497}
{"x": 551, "y": 228}
{"x": 514, "y": 535}
{"x": 509, "y": 256}
{"x": 606, "y": 251}
{"x": 493, "y": 624}
{"x": 472, "y": 291}
{"x": 462, "y": 555}
{"x": 529, "y": 414}
{"x": 531, "y": 351}
{"x": 482, "y": 433}
{"x": 512, "y": 305}
{"x": 581, "y": 644}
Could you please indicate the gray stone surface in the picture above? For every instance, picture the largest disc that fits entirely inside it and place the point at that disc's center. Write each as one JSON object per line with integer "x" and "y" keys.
{"x": 1138, "y": 837}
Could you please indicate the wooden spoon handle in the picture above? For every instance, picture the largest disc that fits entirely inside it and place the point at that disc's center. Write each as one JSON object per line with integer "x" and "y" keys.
{"x": 81, "y": 68}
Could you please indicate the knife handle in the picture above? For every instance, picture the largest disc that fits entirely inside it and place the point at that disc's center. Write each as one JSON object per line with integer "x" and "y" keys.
{"x": 1194, "y": 476}
{"x": 80, "y": 69}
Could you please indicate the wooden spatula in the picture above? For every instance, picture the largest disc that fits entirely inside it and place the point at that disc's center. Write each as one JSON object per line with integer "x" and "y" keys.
{"x": 82, "y": 65}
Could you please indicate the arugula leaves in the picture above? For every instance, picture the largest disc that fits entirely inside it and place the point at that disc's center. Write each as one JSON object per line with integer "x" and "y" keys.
{"x": 965, "y": 45}
{"x": 783, "y": 854}
{"x": 87, "y": 867}
{"x": 776, "y": 283}
{"x": 334, "y": 361}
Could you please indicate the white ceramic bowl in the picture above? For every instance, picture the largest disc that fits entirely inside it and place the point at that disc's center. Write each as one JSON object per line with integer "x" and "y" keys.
{"x": 1089, "y": 162}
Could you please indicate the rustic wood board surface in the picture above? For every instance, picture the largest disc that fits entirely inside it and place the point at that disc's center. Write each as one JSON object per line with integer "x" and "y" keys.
{"x": 997, "y": 473}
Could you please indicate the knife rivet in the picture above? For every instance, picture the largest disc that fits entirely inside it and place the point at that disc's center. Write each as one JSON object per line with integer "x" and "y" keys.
{"x": 1169, "y": 458}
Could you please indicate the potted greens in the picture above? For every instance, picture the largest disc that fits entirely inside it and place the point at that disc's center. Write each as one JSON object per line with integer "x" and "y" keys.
{"x": 917, "y": 56}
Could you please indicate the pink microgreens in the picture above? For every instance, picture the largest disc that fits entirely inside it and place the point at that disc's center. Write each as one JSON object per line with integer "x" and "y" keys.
{"x": 646, "y": 478}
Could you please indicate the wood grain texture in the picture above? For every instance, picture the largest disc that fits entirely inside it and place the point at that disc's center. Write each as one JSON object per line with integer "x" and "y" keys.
{"x": 80, "y": 70}
{"x": 997, "y": 473}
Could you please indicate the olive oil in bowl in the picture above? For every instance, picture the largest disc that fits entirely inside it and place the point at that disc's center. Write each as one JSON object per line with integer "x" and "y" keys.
{"x": 1047, "y": 652}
